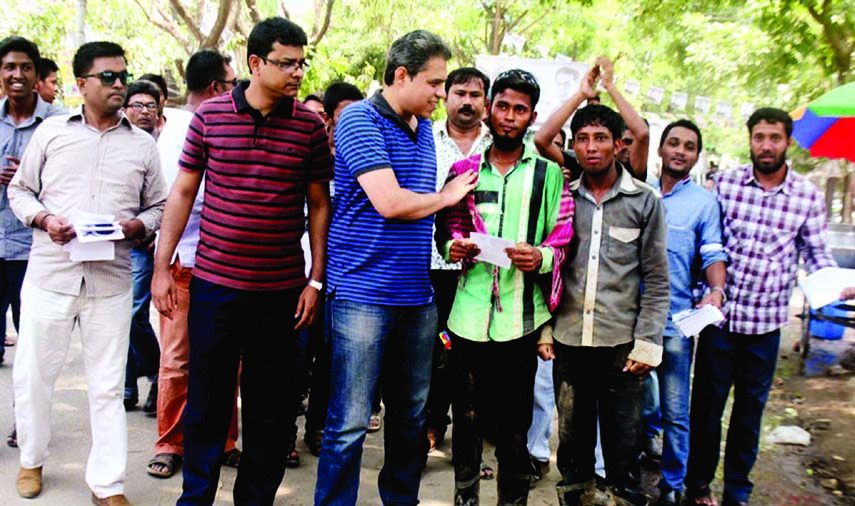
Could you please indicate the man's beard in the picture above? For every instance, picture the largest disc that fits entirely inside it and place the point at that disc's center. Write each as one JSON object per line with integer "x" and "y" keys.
{"x": 507, "y": 144}
{"x": 769, "y": 168}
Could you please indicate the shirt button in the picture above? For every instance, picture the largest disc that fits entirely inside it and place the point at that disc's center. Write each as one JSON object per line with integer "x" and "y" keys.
{"x": 593, "y": 257}
{"x": 588, "y": 312}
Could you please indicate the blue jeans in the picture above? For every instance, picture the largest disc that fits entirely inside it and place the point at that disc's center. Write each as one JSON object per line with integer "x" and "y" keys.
{"x": 674, "y": 381}
{"x": 544, "y": 407}
{"x": 650, "y": 406}
{"x": 746, "y": 363}
{"x": 371, "y": 343}
{"x": 144, "y": 350}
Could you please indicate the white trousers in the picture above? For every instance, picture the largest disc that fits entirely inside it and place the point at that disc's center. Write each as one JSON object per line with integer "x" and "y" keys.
{"x": 47, "y": 319}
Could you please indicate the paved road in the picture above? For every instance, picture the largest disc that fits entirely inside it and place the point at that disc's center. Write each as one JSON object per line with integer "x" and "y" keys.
{"x": 63, "y": 474}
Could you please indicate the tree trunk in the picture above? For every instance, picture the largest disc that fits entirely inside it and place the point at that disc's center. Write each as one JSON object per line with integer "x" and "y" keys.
{"x": 80, "y": 33}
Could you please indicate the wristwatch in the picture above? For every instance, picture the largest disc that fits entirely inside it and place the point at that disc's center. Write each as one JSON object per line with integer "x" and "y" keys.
{"x": 317, "y": 285}
{"x": 721, "y": 291}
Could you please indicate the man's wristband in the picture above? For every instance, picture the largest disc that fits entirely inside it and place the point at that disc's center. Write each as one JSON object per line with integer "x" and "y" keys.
{"x": 317, "y": 285}
{"x": 719, "y": 290}
{"x": 42, "y": 221}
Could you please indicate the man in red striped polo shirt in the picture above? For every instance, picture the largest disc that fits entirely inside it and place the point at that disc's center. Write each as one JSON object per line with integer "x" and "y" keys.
{"x": 263, "y": 154}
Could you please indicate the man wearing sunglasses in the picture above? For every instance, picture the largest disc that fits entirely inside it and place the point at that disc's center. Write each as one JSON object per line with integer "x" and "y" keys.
{"x": 262, "y": 155}
{"x": 96, "y": 162}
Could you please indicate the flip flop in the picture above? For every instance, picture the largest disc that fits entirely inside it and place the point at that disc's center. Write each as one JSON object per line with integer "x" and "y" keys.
{"x": 163, "y": 465}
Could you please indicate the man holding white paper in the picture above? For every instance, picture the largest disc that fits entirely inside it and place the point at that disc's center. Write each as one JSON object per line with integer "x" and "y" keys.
{"x": 694, "y": 240}
{"x": 770, "y": 217}
{"x": 497, "y": 312}
{"x": 94, "y": 162}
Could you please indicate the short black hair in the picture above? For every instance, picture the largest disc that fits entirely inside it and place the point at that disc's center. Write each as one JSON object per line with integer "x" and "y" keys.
{"x": 771, "y": 115}
{"x": 517, "y": 80}
{"x": 317, "y": 97}
{"x": 205, "y": 67}
{"x": 563, "y": 135}
{"x": 465, "y": 74}
{"x": 684, "y": 123}
{"x": 338, "y": 93}
{"x": 412, "y": 51}
{"x": 275, "y": 29}
{"x": 159, "y": 81}
{"x": 20, "y": 45}
{"x": 46, "y": 68}
{"x": 144, "y": 87}
{"x": 87, "y": 53}
{"x": 598, "y": 115}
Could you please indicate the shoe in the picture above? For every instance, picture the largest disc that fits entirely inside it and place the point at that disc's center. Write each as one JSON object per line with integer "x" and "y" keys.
{"x": 292, "y": 458}
{"x": 375, "y": 423}
{"x": 150, "y": 405}
{"x": 670, "y": 498}
{"x": 29, "y": 482}
{"x": 539, "y": 469}
{"x": 232, "y": 458}
{"x": 653, "y": 448}
{"x": 130, "y": 404}
{"x": 628, "y": 497}
{"x": 113, "y": 500}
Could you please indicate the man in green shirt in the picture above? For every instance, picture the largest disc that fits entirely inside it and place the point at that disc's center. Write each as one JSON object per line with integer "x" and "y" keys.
{"x": 497, "y": 312}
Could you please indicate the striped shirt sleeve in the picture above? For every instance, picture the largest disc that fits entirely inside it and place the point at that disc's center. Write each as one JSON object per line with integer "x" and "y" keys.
{"x": 359, "y": 141}
{"x": 193, "y": 155}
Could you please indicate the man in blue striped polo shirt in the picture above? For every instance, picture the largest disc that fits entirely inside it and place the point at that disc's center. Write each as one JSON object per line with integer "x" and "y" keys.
{"x": 380, "y": 306}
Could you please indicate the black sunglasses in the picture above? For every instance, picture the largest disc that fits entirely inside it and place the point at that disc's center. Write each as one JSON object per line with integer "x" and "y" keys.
{"x": 234, "y": 82}
{"x": 108, "y": 77}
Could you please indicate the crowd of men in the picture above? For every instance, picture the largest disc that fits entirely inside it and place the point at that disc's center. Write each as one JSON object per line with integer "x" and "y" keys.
{"x": 393, "y": 299}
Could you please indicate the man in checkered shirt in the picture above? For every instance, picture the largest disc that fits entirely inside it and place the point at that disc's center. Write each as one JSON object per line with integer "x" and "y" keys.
{"x": 770, "y": 215}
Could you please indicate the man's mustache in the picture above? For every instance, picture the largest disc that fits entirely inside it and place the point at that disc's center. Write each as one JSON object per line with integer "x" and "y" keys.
{"x": 466, "y": 108}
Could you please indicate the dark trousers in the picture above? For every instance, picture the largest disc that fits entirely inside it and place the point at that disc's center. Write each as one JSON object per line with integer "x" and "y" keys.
{"x": 11, "y": 278}
{"x": 227, "y": 325}
{"x": 319, "y": 391}
{"x": 590, "y": 383}
{"x": 493, "y": 384}
{"x": 747, "y": 363}
{"x": 143, "y": 348}
{"x": 439, "y": 399}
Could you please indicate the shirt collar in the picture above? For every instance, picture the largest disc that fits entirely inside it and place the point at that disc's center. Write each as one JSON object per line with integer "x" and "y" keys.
{"x": 39, "y": 113}
{"x": 284, "y": 109}
{"x": 786, "y": 185}
{"x": 625, "y": 183}
{"x": 524, "y": 158}
{"x": 385, "y": 110}
{"x": 679, "y": 186}
{"x": 80, "y": 118}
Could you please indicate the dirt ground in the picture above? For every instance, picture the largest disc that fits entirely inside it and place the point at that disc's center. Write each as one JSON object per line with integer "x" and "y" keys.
{"x": 805, "y": 394}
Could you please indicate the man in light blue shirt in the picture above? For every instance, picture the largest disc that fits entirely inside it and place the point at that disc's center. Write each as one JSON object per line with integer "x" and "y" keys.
{"x": 694, "y": 245}
{"x": 20, "y": 113}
